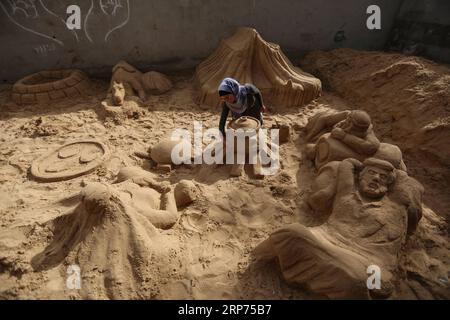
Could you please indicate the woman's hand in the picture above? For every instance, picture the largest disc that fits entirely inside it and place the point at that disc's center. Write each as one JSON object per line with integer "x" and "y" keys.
{"x": 263, "y": 109}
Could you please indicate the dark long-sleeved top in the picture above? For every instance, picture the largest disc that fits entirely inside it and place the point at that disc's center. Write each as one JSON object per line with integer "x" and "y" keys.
{"x": 254, "y": 104}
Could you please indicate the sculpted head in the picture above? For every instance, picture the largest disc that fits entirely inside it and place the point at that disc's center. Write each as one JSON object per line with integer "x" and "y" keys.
{"x": 118, "y": 93}
{"x": 376, "y": 177}
{"x": 357, "y": 123}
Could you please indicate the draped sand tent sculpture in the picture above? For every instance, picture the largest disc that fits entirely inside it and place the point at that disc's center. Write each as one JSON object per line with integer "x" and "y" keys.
{"x": 248, "y": 58}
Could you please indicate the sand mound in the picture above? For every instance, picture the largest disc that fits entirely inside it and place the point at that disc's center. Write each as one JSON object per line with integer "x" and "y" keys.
{"x": 248, "y": 58}
{"x": 407, "y": 97}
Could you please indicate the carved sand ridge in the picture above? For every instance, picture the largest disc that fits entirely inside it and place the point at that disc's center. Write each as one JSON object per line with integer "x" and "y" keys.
{"x": 46, "y": 86}
{"x": 248, "y": 58}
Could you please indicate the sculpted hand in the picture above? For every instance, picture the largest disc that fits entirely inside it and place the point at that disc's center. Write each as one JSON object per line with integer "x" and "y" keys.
{"x": 356, "y": 163}
{"x": 338, "y": 133}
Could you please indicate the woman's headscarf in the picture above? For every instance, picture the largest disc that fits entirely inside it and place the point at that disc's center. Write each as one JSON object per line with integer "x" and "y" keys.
{"x": 240, "y": 92}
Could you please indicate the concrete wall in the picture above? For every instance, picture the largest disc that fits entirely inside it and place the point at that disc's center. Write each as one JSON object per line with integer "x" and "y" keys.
{"x": 167, "y": 35}
{"x": 423, "y": 28}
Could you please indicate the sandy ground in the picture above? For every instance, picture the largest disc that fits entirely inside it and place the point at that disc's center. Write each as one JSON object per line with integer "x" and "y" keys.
{"x": 207, "y": 254}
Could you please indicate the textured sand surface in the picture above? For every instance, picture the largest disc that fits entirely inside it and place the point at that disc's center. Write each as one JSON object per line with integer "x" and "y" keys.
{"x": 207, "y": 254}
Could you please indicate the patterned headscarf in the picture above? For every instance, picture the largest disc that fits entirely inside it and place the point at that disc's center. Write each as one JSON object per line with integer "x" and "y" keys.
{"x": 240, "y": 92}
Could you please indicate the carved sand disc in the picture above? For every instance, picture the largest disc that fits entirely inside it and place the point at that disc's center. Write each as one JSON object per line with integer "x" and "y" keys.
{"x": 69, "y": 161}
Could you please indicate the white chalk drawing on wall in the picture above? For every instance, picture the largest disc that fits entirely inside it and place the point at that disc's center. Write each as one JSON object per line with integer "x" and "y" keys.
{"x": 29, "y": 15}
{"x": 44, "y": 49}
{"x": 24, "y": 14}
{"x": 115, "y": 10}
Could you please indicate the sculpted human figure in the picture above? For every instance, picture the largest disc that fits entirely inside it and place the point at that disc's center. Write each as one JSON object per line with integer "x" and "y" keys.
{"x": 136, "y": 199}
{"x": 367, "y": 226}
{"x": 155, "y": 200}
{"x": 114, "y": 235}
{"x": 351, "y": 136}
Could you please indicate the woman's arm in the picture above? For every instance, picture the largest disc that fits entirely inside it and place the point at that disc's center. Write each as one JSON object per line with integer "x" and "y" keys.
{"x": 259, "y": 98}
{"x": 256, "y": 94}
{"x": 223, "y": 118}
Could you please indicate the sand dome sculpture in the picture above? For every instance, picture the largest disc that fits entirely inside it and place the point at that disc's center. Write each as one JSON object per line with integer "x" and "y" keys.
{"x": 248, "y": 58}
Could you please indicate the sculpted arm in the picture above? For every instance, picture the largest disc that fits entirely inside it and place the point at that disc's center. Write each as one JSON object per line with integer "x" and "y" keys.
{"x": 366, "y": 146}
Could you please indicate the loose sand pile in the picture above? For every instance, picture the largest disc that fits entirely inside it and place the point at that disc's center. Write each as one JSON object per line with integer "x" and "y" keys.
{"x": 207, "y": 254}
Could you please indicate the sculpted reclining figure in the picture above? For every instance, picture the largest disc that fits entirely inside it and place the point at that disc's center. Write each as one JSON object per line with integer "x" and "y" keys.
{"x": 126, "y": 80}
{"x": 351, "y": 136}
{"x": 367, "y": 226}
{"x": 114, "y": 235}
{"x": 135, "y": 198}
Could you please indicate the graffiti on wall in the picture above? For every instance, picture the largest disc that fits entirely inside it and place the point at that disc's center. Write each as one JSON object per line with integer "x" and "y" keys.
{"x": 50, "y": 19}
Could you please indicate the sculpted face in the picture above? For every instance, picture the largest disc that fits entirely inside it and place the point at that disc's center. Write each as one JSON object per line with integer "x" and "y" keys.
{"x": 374, "y": 182}
{"x": 361, "y": 133}
{"x": 118, "y": 93}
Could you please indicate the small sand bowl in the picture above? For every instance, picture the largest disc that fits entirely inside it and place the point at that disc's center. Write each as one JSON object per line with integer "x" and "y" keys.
{"x": 248, "y": 126}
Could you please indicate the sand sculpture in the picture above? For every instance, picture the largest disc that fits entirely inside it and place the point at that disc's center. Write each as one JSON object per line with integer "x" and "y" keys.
{"x": 156, "y": 83}
{"x": 367, "y": 226}
{"x": 406, "y": 191}
{"x": 386, "y": 86}
{"x": 131, "y": 108}
{"x": 47, "y": 86}
{"x": 117, "y": 90}
{"x": 69, "y": 161}
{"x": 126, "y": 80}
{"x": 161, "y": 153}
{"x": 185, "y": 193}
{"x": 346, "y": 134}
{"x": 248, "y": 58}
{"x": 249, "y": 127}
{"x": 113, "y": 235}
